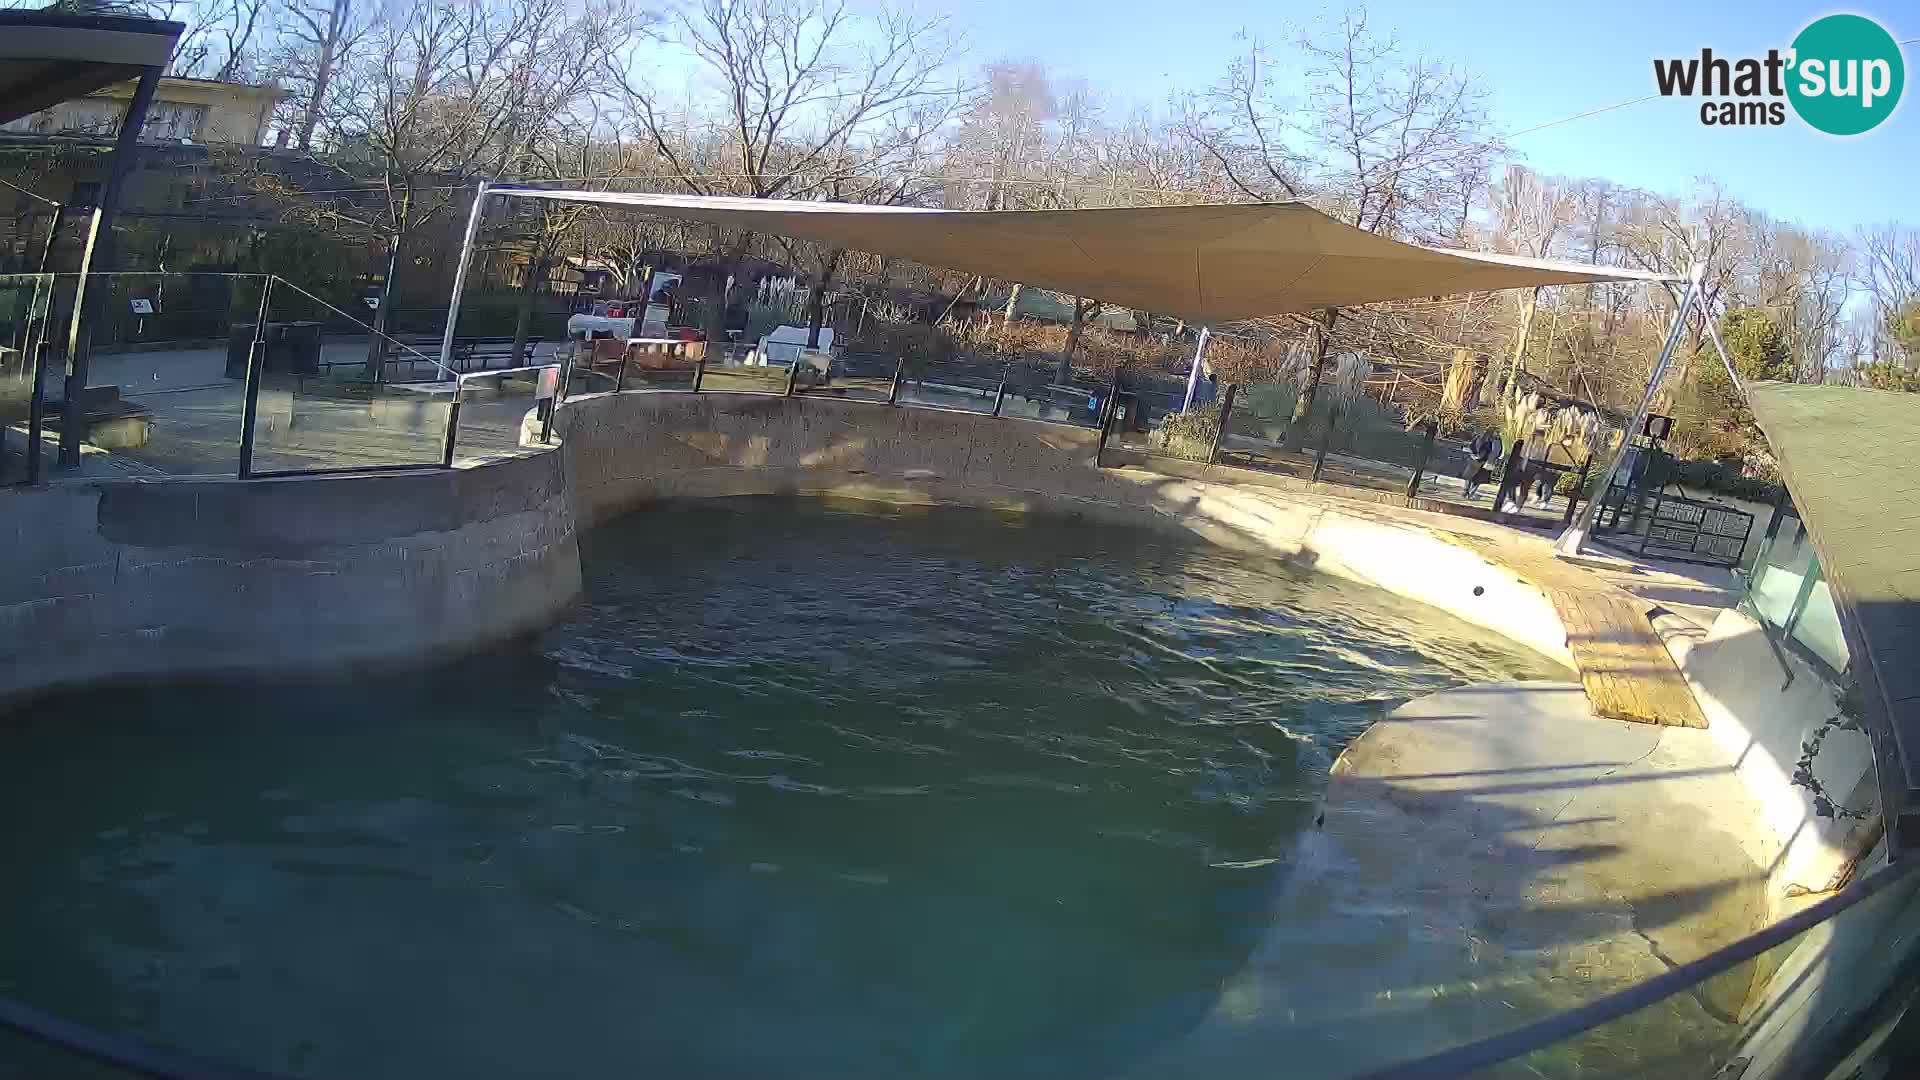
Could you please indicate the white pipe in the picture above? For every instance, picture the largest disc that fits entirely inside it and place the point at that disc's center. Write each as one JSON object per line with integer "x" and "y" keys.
{"x": 460, "y": 279}
{"x": 1193, "y": 376}
{"x": 1575, "y": 537}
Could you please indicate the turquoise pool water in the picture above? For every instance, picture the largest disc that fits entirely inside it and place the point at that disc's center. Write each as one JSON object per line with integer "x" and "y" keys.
{"x": 800, "y": 790}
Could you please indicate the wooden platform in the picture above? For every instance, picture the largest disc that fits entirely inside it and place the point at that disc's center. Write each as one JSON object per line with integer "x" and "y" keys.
{"x": 1624, "y": 666}
{"x": 1626, "y": 669}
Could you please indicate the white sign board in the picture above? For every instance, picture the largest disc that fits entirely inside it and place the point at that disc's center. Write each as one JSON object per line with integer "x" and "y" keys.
{"x": 141, "y": 305}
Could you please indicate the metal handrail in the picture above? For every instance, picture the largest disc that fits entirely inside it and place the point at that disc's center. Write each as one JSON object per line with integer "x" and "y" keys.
{"x": 1463, "y": 1060}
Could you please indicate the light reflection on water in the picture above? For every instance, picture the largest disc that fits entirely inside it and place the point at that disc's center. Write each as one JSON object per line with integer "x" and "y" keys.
{"x": 798, "y": 791}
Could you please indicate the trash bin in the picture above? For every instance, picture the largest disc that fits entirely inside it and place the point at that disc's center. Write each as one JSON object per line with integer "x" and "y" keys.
{"x": 239, "y": 343}
{"x": 297, "y": 348}
{"x": 291, "y": 347}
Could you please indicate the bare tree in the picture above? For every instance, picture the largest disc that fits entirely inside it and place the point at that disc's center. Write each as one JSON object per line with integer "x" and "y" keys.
{"x": 1889, "y": 273}
{"x": 318, "y": 37}
{"x": 808, "y": 91}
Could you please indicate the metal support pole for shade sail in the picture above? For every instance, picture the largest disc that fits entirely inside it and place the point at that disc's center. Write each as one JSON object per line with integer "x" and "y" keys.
{"x": 460, "y": 279}
{"x": 100, "y": 249}
{"x": 1199, "y": 360}
{"x": 1576, "y": 534}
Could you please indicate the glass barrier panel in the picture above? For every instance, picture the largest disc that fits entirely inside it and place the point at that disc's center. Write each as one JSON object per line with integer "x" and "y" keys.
{"x": 735, "y": 369}
{"x": 866, "y": 376}
{"x": 320, "y": 404}
{"x": 163, "y": 395}
{"x": 1817, "y": 627}
{"x": 24, "y": 299}
{"x": 1781, "y": 571}
{"x": 500, "y": 416}
{"x": 966, "y": 387}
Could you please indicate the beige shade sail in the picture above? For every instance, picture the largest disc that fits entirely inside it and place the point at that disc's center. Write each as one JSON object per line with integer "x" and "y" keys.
{"x": 1204, "y": 263}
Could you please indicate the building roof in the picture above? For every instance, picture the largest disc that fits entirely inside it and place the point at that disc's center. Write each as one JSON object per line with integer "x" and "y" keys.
{"x": 1851, "y": 458}
{"x": 47, "y": 58}
{"x": 1204, "y": 263}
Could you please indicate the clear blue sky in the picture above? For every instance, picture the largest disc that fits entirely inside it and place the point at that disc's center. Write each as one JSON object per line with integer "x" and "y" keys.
{"x": 1540, "y": 60}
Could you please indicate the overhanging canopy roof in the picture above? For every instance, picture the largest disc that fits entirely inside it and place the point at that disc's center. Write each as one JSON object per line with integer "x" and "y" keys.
{"x": 1848, "y": 457}
{"x": 1205, "y": 263}
{"x": 47, "y": 58}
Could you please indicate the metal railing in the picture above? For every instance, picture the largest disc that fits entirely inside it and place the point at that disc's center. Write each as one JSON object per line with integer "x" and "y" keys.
{"x": 1657, "y": 525}
{"x": 283, "y": 393}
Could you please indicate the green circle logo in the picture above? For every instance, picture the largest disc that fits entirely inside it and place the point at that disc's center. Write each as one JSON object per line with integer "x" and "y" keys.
{"x": 1847, "y": 74}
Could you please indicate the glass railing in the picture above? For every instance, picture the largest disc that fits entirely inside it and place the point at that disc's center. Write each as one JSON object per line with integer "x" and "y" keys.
{"x": 212, "y": 374}
{"x": 24, "y": 325}
{"x": 1788, "y": 591}
{"x": 331, "y": 401}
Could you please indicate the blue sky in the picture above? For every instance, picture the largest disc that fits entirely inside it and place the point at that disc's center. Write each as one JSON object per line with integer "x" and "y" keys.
{"x": 1541, "y": 61}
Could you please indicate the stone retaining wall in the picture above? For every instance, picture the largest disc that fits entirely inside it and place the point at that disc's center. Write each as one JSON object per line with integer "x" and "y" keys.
{"x": 130, "y": 579}
{"x": 625, "y": 450}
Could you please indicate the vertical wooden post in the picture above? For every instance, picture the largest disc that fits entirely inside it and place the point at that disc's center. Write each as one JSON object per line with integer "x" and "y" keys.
{"x": 620, "y": 378}
{"x": 893, "y": 391}
{"x": 793, "y": 373}
{"x": 1420, "y": 463}
{"x": 999, "y": 397}
{"x": 1220, "y": 429}
{"x": 699, "y": 373}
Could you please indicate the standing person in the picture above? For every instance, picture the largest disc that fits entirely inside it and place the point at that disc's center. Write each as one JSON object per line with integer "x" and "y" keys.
{"x": 1484, "y": 448}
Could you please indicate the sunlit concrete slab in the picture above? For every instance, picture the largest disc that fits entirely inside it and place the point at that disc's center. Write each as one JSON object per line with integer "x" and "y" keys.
{"x": 1487, "y": 857}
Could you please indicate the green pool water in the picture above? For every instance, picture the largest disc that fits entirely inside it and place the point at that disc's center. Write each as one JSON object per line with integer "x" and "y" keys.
{"x": 799, "y": 790}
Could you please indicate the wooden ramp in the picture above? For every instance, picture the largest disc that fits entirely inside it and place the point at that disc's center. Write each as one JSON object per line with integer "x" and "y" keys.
{"x": 1626, "y": 669}
{"x": 1624, "y": 666}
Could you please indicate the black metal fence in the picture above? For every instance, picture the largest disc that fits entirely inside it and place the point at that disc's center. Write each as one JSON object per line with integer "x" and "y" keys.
{"x": 1658, "y": 525}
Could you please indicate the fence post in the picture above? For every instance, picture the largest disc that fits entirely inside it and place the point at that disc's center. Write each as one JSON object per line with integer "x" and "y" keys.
{"x": 699, "y": 372}
{"x": 620, "y": 378}
{"x": 37, "y": 398}
{"x": 256, "y": 361}
{"x": 1326, "y": 442}
{"x": 793, "y": 373}
{"x": 999, "y": 397}
{"x": 1579, "y": 489}
{"x": 453, "y": 425}
{"x": 1107, "y": 414}
{"x": 1220, "y": 429}
{"x": 1420, "y": 463}
{"x": 893, "y": 392}
{"x": 1509, "y": 475}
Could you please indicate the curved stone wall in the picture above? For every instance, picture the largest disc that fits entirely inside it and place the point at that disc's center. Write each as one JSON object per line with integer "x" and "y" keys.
{"x": 131, "y": 579}
{"x": 625, "y": 450}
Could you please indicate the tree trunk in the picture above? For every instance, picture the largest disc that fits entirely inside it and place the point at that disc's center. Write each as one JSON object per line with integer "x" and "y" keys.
{"x": 322, "y": 75}
{"x": 377, "y": 344}
{"x": 715, "y": 323}
{"x": 1013, "y": 304}
{"x": 1303, "y": 404}
{"x": 817, "y": 298}
{"x": 1510, "y": 389}
{"x": 1082, "y": 310}
{"x": 536, "y": 273}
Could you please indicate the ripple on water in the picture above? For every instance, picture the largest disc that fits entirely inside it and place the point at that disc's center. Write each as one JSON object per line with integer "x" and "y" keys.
{"x": 801, "y": 791}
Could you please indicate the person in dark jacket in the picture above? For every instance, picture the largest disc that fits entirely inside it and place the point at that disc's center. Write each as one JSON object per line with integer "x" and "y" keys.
{"x": 1485, "y": 447}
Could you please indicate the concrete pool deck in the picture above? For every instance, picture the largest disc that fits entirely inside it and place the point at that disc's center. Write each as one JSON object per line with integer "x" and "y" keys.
{"x": 1489, "y": 856}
